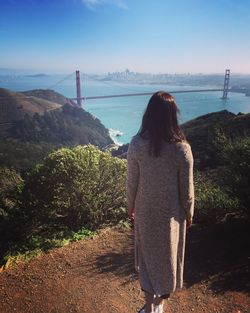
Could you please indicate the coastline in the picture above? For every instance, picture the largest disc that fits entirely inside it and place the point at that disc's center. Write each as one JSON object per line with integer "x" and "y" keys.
{"x": 114, "y": 134}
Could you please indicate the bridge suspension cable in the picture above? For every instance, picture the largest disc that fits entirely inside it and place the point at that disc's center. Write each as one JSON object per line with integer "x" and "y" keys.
{"x": 60, "y": 81}
{"x": 145, "y": 94}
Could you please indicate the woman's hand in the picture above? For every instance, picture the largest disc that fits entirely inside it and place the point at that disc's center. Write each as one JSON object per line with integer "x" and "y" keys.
{"x": 131, "y": 214}
{"x": 189, "y": 222}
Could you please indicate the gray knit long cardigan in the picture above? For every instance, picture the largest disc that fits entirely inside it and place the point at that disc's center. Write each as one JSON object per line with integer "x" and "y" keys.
{"x": 161, "y": 191}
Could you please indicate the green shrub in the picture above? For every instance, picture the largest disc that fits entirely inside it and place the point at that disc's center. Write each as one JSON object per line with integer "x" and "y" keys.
{"x": 212, "y": 202}
{"x": 11, "y": 222}
{"x": 11, "y": 185}
{"x": 235, "y": 173}
{"x": 75, "y": 187}
{"x": 23, "y": 156}
{"x": 35, "y": 245}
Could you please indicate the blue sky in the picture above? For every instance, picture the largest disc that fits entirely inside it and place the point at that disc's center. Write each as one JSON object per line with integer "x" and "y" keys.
{"x": 97, "y": 36}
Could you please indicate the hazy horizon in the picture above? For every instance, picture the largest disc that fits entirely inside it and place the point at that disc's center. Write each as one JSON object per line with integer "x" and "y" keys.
{"x": 23, "y": 71}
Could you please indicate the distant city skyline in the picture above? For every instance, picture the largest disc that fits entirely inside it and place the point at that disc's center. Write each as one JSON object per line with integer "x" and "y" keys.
{"x": 101, "y": 36}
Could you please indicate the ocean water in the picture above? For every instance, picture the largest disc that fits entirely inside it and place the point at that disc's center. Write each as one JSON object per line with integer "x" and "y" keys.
{"x": 123, "y": 115}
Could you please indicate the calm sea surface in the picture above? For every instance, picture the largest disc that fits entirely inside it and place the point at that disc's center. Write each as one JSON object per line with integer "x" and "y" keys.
{"x": 124, "y": 114}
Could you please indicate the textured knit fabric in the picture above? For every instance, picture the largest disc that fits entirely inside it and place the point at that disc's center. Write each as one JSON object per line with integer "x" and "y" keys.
{"x": 160, "y": 189}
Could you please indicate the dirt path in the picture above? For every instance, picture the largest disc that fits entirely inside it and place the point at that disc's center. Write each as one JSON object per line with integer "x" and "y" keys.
{"x": 96, "y": 275}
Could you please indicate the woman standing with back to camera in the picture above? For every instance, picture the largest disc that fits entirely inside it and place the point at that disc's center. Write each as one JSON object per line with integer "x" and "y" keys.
{"x": 160, "y": 198}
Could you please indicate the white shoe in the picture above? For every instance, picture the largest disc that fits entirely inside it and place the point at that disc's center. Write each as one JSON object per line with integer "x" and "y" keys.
{"x": 158, "y": 308}
{"x": 142, "y": 310}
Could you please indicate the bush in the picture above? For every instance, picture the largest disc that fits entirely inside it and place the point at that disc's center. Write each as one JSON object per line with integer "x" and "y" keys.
{"x": 11, "y": 185}
{"x": 235, "y": 173}
{"x": 212, "y": 202}
{"x": 75, "y": 187}
{"x": 23, "y": 156}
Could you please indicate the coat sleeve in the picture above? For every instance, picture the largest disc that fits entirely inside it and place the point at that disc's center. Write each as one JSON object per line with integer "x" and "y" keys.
{"x": 132, "y": 176}
{"x": 186, "y": 184}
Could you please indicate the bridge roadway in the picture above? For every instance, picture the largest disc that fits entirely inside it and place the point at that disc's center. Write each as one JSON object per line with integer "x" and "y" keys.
{"x": 145, "y": 94}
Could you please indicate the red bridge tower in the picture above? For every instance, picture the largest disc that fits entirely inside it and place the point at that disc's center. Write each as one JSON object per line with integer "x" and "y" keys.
{"x": 78, "y": 89}
{"x": 226, "y": 83}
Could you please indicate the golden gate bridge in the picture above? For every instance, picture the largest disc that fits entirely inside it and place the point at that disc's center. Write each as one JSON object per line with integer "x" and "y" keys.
{"x": 79, "y": 98}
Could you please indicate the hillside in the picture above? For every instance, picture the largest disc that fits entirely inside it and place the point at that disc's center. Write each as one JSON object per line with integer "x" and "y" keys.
{"x": 201, "y": 133}
{"x": 61, "y": 280}
{"x": 66, "y": 126}
{"x": 40, "y": 121}
{"x": 49, "y": 95}
{"x": 14, "y": 105}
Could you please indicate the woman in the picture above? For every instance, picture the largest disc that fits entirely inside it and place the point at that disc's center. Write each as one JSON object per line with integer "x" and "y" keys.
{"x": 160, "y": 198}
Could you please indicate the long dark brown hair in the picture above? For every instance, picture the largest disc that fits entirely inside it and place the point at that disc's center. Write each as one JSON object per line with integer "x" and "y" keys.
{"x": 160, "y": 123}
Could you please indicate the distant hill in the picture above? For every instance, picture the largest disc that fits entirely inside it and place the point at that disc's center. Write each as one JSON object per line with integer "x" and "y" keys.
{"x": 49, "y": 95}
{"x": 44, "y": 118}
{"x": 37, "y": 75}
{"x": 15, "y": 105}
{"x": 201, "y": 133}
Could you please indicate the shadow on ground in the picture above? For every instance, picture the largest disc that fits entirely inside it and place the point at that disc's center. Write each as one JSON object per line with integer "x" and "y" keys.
{"x": 120, "y": 264}
{"x": 218, "y": 254}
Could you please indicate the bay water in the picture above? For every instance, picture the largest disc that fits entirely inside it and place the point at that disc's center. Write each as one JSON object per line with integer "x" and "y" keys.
{"x": 122, "y": 116}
